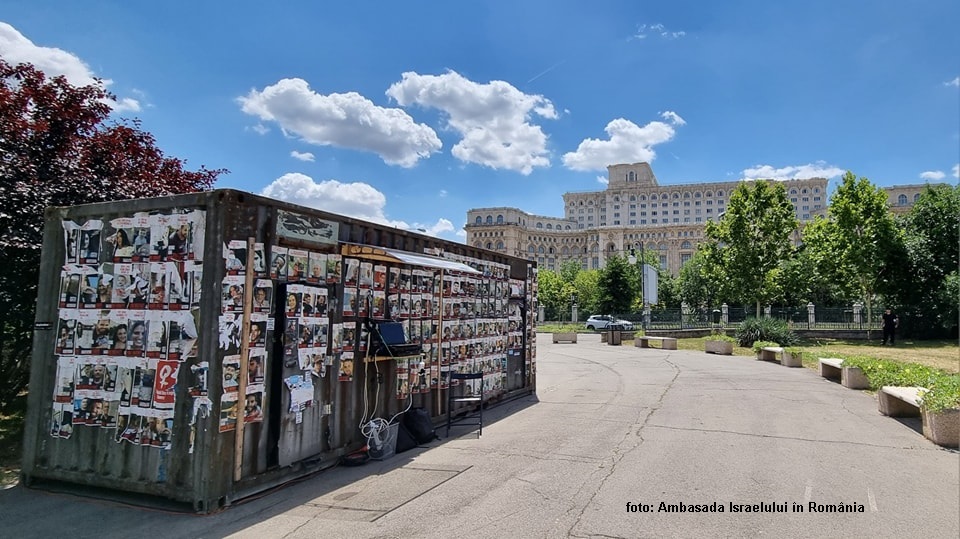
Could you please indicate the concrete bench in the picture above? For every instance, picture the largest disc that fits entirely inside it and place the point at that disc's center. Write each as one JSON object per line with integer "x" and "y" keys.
{"x": 851, "y": 377}
{"x": 666, "y": 343}
{"x": 897, "y": 401}
{"x": 778, "y": 353}
{"x": 770, "y": 353}
{"x": 570, "y": 337}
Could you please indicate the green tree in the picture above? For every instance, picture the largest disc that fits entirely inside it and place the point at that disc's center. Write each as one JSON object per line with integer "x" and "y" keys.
{"x": 617, "y": 286}
{"x": 932, "y": 247}
{"x": 700, "y": 281}
{"x": 56, "y": 149}
{"x": 864, "y": 232}
{"x": 587, "y": 286}
{"x": 753, "y": 238}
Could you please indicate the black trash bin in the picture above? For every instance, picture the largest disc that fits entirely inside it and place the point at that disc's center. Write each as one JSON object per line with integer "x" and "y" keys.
{"x": 716, "y": 316}
{"x": 615, "y": 334}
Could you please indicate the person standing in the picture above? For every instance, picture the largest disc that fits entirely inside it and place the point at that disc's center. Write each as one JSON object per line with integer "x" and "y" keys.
{"x": 890, "y": 323}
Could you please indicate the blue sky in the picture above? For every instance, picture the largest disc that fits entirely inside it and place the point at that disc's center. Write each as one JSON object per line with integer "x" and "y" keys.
{"x": 411, "y": 113}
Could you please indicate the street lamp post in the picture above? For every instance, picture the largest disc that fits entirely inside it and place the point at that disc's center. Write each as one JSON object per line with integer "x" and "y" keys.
{"x": 643, "y": 298}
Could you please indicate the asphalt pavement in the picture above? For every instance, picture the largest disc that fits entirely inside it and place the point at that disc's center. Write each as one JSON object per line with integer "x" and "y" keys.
{"x": 617, "y": 442}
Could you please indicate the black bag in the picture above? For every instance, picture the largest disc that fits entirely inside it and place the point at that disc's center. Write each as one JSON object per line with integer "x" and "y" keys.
{"x": 417, "y": 421}
{"x": 405, "y": 440}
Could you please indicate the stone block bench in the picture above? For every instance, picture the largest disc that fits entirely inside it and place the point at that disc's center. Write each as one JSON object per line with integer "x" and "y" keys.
{"x": 851, "y": 377}
{"x": 666, "y": 343}
{"x": 895, "y": 401}
{"x": 570, "y": 337}
{"x": 777, "y": 353}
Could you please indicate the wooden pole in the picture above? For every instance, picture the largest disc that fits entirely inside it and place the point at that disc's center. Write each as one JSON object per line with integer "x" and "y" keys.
{"x": 244, "y": 357}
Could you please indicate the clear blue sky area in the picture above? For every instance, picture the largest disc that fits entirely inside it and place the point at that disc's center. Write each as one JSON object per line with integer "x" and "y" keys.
{"x": 411, "y": 113}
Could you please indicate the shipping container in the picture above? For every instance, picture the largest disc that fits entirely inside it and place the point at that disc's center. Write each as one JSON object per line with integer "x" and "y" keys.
{"x": 200, "y": 348}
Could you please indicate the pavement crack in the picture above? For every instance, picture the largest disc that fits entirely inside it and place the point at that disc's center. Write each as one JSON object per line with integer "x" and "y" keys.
{"x": 797, "y": 438}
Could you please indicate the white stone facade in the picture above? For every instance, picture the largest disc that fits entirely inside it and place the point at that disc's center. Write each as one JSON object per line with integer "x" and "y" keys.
{"x": 633, "y": 209}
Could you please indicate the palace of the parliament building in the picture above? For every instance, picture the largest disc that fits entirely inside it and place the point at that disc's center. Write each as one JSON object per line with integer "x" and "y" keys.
{"x": 633, "y": 210}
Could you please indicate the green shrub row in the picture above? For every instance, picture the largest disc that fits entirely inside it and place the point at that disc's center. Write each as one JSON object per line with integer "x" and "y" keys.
{"x": 752, "y": 330}
{"x": 943, "y": 387}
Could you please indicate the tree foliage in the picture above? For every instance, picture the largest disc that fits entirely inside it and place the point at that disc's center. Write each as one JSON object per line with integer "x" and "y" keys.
{"x": 752, "y": 238}
{"x": 617, "y": 286}
{"x": 57, "y": 149}
{"x": 862, "y": 235}
{"x": 700, "y": 281}
{"x": 926, "y": 286}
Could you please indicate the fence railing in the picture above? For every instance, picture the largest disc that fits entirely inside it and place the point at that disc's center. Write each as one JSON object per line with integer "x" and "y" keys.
{"x": 796, "y": 317}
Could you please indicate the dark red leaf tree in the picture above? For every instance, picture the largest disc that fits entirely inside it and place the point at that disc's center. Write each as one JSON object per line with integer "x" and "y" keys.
{"x": 57, "y": 149}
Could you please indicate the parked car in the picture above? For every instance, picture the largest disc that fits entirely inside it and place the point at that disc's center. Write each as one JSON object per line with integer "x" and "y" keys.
{"x": 600, "y": 322}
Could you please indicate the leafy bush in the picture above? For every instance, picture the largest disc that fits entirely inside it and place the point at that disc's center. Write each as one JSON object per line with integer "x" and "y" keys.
{"x": 721, "y": 337}
{"x": 752, "y": 330}
{"x": 886, "y": 372}
{"x": 762, "y": 344}
{"x": 943, "y": 394}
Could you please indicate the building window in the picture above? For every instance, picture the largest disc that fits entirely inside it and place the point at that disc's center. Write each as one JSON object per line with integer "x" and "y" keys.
{"x": 663, "y": 261}
{"x": 479, "y": 220}
{"x": 684, "y": 258}
{"x": 902, "y": 200}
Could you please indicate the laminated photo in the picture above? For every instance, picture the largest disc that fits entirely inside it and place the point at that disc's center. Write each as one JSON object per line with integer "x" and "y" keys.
{"x": 393, "y": 279}
{"x": 179, "y": 238}
{"x": 235, "y": 257}
{"x": 66, "y": 332}
{"x": 228, "y": 412}
{"x": 297, "y": 262}
{"x": 334, "y": 268}
{"x": 118, "y": 243}
{"x": 352, "y": 272}
{"x": 105, "y": 285}
{"x": 70, "y": 277}
{"x": 232, "y": 296}
{"x": 256, "y": 362}
{"x": 66, "y": 375}
{"x": 294, "y": 294}
{"x": 182, "y": 332}
{"x": 345, "y": 372}
{"x": 380, "y": 277}
{"x": 165, "y": 383}
{"x": 89, "y": 242}
{"x": 278, "y": 262}
{"x": 137, "y": 332}
{"x": 231, "y": 373}
{"x": 141, "y": 237}
{"x": 259, "y": 260}
{"x": 71, "y": 234}
{"x": 229, "y": 328}
{"x": 253, "y": 408}
{"x": 199, "y": 373}
{"x": 349, "y": 301}
{"x": 263, "y": 296}
{"x": 318, "y": 268}
{"x": 366, "y": 275}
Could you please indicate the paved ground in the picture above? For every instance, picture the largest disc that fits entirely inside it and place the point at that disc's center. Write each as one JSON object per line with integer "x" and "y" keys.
{"x": 610, "y": 426}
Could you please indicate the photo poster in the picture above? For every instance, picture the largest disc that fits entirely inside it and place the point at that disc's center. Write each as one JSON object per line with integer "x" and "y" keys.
{"x": 228, "y": 411}
{"x": 180, "y": 237}
{"x": 345, "y": 371}
{"x": 70, "y": 277}
{"x": 165, "y": 383}
{"x": 66, "y": 332}
{"x": 71, "y": 236}
{"x": 232, "y": 293}
{"x": 297, "y": 262}
{"x": 253, "y": 404}
{"x": 317, "y": 268}
{"x": 231, "y": 373}
{"x": 380, "y": 277}
{"x": 365, "y": 279}
{"x": 263, "y": 296}
{"x": 235, "y": 257}
{"x": 336, "y": 338}
{"x": 334, "y": 268}
{"x": 352, "y": 275}
{"x": 199, "y": 377}
{"x": 319, "y": 367}
{"x": 364, "y": 301}
{"x": 413, "y": 375}
{"x": 403, "y": 378}
{"x": 259, "y": 260}
{"x": 301, "y": 392}
{"x": 88, "y": 250}
{"x": 278, "y": 262}
{"x": 118, "y": 243}
{"x": 229, "y": 328}
{"x": 349, "y": 301}
{"x": 349, "y": 335}
{"x": 140, "y": 235}
{"x": 393, "y": 279}
{"x": 379, "y": 305}
{"x": 64, "y": 384}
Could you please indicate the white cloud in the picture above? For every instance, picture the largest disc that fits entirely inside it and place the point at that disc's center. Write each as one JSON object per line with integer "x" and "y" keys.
{"x": 260, "y": 129}
{"x": 955, "y": 82}
{"x": 673, "y": 117}
{"x": 15, "y": 48}
{"x": 956, "y": 170}
{"x": 358, "y": 200}
{"x": 814, "y": 170}
{"x": 303, "y": 156}
{"x": 603, "y": 179}
{"x": 344, "y": 120}
{"x": 628, "y": 143}
{"x": 493, "y": 119}
{"x": 932, "y": 175}
{"x": 443, "y": 193}
{"x": 658, "y": 29}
